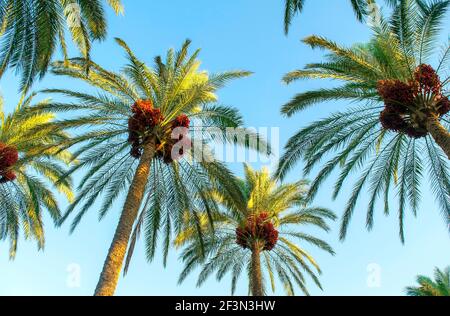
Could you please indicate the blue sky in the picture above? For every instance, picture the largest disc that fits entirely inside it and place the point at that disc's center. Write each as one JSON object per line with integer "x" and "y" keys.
{"x": 234, "y": 34}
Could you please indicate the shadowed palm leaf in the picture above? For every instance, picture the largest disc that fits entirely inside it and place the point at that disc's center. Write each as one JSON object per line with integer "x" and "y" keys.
{"x": 285, "y": 208}
{"x": 30, "y": 31}
{"x": 361, "y": 8}
{"x": 440, "y": 286}
{"x": 385, "y": 160}
{"x": 24, "y": 185}
{"x": 159, "y": 191}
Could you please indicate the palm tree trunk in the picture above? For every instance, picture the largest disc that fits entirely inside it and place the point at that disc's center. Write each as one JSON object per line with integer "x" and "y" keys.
{"x": 114, "y": 261}
{"x": 257, "y": 287}
{"x": 439, "y": 133}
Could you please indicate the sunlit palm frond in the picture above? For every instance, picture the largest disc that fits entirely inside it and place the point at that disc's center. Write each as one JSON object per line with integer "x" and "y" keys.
{"x": 41, "y": 163}
{"x": 440, "y": 286}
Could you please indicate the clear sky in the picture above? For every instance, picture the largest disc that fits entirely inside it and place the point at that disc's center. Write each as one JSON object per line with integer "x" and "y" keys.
{"x": 233, "y": 34}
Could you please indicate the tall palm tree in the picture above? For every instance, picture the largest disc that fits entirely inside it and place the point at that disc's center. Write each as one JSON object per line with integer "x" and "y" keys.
{"x": 440, "y": 286}
{"x": 265, "y": 227}
{"x": 138, "y": 142}
{"x": 391, "y": 149}
{"x": 32, "y": 29}
{"x": 31, "y": 160}
{"x": 362, "y": 9}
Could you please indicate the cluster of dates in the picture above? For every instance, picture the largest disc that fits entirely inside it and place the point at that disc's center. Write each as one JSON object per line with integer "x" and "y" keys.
{"x": 257, "y": 228}
{"x": 142, "y": 124}
{"x": 8, "y": 158}
{"x": 408, "y": 104}
{"x": 172, "y": 147}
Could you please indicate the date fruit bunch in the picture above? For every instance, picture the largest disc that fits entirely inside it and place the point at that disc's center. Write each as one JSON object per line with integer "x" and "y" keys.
{"x": 8, "y": 158}
{"x": 147, "y": 123}
{"x": 409, "y": 104}
{"x": 257, "y": 228}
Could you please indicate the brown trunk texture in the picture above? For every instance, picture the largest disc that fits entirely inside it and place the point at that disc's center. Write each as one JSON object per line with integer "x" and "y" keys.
{"x": 257, "y": 286}
{"x": 114, "y": 261}
{"x": 440, "y": 135}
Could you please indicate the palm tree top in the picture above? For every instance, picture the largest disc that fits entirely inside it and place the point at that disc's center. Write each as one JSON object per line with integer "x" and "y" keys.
{"x": 32, "y": 30}
{"x": 281, "y": 210}
{"x": 264, "y": 194}
{"x": 175, "y": 87}
{"x": 357, "y": 139}
{"x": 31, "y": 160}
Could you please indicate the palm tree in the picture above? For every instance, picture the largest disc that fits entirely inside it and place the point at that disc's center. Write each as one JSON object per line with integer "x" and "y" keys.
{"x": 30, "y": 161}
{"x": 263, "y": 227}
{"x": 32, "y": 29}
{"x": 393, "y": 148}
{"x": 362, "y": 9}
{"x": 138, "y": 142}
{"x": 427, "y": 287}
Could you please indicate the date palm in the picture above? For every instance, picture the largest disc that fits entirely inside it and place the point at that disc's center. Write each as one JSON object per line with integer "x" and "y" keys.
{"x": 31, "y": 30}
{"x": 358, "y": 139}
{"x": 360, "y": 7}
{"x": 440, "y": 286}
{"x": 31, "y": 161}
{"x": 129, "y": 147}
{"x": 261, "y": 235}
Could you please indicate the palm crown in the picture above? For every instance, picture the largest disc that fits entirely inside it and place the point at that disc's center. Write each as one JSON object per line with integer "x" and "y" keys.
{"x": 440, "y": 286}
{"x": 30, "y": 160}
{"x": 264, "y": 226}
{"x": 132, "y": 147}
{"x": 32, "y": 29}
{"x": 391, "y": 150}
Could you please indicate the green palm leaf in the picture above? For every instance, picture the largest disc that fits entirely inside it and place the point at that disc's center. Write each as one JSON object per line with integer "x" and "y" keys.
{"x": 353, "y": 141}
{"x": 221, "y": 255}
{"x": 42, "y": 161}
{"x": 31, "y": 31}
{"x": 440, "y": 286}
{"x": 360, "y": 7}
